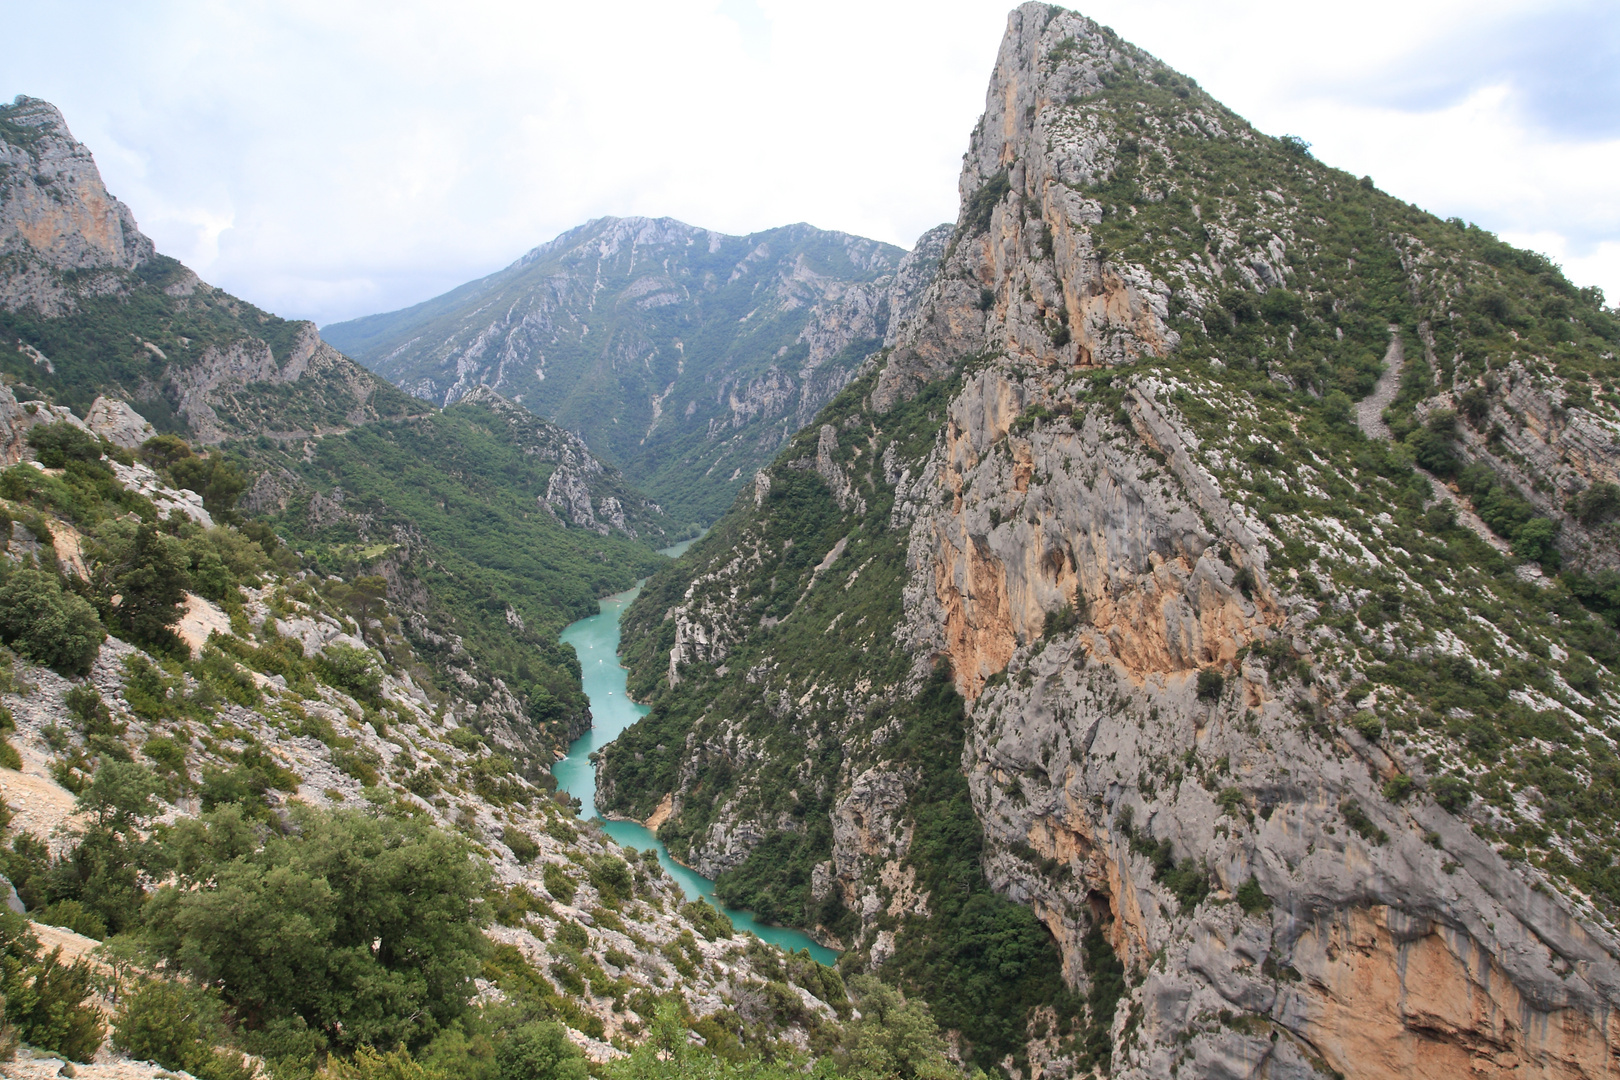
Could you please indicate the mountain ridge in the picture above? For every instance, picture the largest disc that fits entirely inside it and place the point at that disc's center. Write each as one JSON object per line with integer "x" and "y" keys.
{"x": 712, "y": 347}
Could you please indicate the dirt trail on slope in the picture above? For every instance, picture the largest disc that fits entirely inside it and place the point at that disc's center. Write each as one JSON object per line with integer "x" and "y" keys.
{"x": 1370, "y": 418}
{"x": 1370, "y": 409}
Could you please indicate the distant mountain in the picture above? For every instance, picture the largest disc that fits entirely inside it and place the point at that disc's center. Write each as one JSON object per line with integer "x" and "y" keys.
{"x": 685, "y": 356}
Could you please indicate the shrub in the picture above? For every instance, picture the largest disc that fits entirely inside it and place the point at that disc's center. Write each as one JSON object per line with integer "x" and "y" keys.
{"x": 363, "y": 927}
{"x": 368, "y": 1064}
{"x": 57, "y": 444}
{"x": 1210, "y": 684}
{"x": 539, "y": 1051}
{"x": 1398, "y": 787}
{"x": 1251, "y": 898}
{"x": 9, "y": 757}
{"x": 1368, "y": 726}
{"x": 1062, "y": 620}
{"x": 74, "y": 916}
{"x": 559, "y": 884}
{"x": 178, "y": 1026}
{"x": 611, "y": 877}
{"x": 1535, "y": 540}
{"x": 46, "y": 1001}
{"x": 523, "y": 847}
{"x": 1453, "y": 793}
{"x": 48, "y": 625}
{"x": 1598, "y": 503}
{"x": 352, "y": 670}
{"x": 1358, "y": 820}
{"x": 707, "y": 920}
{"x": 149, "y": 572}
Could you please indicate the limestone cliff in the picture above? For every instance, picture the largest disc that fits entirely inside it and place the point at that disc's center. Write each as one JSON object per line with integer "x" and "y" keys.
{"x": 1296, "y": 766}
{"x": 683, "y": 355}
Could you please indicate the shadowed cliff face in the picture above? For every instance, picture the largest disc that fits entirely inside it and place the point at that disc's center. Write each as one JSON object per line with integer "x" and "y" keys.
{"x": 1298, "y": 772}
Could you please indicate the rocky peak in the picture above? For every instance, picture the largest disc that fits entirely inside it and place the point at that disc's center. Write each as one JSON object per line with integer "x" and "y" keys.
{"x": 1022, "y": 273}
{"x": 53, "y": 206}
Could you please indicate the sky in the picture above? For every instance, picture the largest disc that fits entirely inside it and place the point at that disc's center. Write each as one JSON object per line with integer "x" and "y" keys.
{"x": 327, "y": 159}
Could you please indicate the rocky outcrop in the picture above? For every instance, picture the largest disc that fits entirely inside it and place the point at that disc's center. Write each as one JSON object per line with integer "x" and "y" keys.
{"x": 55, "y": 214}
{"x": 582, "y": 490}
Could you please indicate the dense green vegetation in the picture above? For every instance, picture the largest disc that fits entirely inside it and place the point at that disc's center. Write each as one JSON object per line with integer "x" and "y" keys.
{"x": 454, "y": 505}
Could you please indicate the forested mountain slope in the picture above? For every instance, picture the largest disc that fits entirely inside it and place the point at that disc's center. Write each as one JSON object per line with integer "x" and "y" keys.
{"x": 88, "y": 307}
{"x": 1094, "y": 667}
{"x": 684, "y": 356}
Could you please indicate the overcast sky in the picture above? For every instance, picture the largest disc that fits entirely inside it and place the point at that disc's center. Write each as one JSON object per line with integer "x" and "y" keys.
{"x": 327, "y": 159}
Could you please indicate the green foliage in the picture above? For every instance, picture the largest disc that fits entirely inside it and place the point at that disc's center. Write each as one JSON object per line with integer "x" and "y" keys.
{"x": 1107, "y": 976}
{"x": 102, "y": 874}
{"x": 352, "y": 670}
{"x": 707, "y": 920}
{"x": 1251, "y": 898}
{"x": 1064, "y": 620}
{"x": 1398, "y": 787}
{"x": 1598, "y": 504}
{"x": 1186, "y": 880}
{"x": 558, "y": 883}
{"x": 46, "y": 1001}
{"x": 1210, "y": 684}
{"x": 462, "y": 486}
{"x": 178, "y": 1026}
{"x": 74, "y": 916}
{"x": 362, "y": 927}
{"x": 981, "y": 961}
{"x": 976, "y": 215}
{"x": 521, "y": 844}
{"x": 369, "y": 1064}
{"x": 218, "y": 480}
{"x": 1357, "y": 819}
{"x": 539, "y": 1050}
{"x": 148, "y": 570}
{"x": 47, "y": 624}
{"x": 1453, "y": 793}
{"x": 57, "y": 444}
{"x": 1368, "y": 726}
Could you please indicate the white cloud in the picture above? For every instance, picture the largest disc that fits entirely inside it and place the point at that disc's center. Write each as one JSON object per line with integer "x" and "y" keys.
{"x": 331, "y": 158}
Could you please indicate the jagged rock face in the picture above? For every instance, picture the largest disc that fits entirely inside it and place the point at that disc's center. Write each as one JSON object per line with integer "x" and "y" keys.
{"x": 54, "y": 212}
{"x": 1092, "y": 532}
{"x": 1190, "y": 607}
{"x": 994, "y": 288}
{"x": 72, "y": 254}
{"x": 677, "y": 352}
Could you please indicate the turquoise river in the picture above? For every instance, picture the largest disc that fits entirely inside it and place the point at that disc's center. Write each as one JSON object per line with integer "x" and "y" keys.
{"x": 596, "y": 640}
